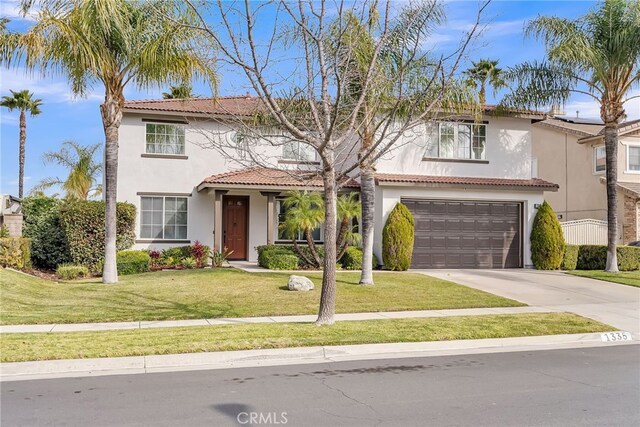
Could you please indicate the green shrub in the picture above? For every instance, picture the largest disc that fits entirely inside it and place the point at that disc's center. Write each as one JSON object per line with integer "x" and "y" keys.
{"x": 397, "y": 239}
{"x": 15, "y": 252}
{"x": 266, "y": 251}
{"x": 628, "y": 258}
{"x": 4, "y": 232}
{"x": 131, "y": 262}
{"x": 177, "y": 254}
{"x": 72, "y": 271}
{"x": 570, "y": 260}
{"x": 83, "y": 222}
{"x": 189, "y": 263}
{"x": 352, "y": 259}
{"x": 594, "y": 257}
{"x": 42, "y": 225}
{"x": 547, "y": 240}
{"x": 281, "y": 261}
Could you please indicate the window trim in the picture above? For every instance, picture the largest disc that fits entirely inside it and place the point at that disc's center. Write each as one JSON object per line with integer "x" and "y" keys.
{"x": 595, "y": 160}
{"x": 628, "y": 165}
{"x": 177, "y": 124}
{"x": 469, "y": 159}
{"x": 163, "y": 239}
{"x": 298, "y": 160}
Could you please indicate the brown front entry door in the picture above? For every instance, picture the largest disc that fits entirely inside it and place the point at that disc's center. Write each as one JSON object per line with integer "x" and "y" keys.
{"x": 235, "y": 221}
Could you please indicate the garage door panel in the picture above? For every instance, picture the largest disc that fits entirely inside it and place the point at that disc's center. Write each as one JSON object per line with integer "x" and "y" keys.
{"x": 466, "y": 234}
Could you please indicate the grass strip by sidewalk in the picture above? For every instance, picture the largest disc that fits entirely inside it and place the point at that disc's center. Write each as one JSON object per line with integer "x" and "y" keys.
{"x": 221, "y": 292}
{"x": 136, "y": 342}
{"x": 630, "y": 278}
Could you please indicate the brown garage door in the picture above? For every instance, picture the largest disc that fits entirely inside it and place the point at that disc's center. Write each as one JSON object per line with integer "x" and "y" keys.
{"x": 466, "y": 234}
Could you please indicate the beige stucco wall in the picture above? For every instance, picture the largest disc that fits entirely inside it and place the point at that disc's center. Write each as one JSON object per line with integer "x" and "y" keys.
{"x": 560, "y": 159}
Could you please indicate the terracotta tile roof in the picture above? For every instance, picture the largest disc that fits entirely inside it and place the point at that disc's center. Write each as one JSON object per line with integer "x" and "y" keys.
{"x": 263, "y": 177}
{"x": 220, "y": 106}
{"x": 460, "y": 180}
{"x": 580, "y": 129}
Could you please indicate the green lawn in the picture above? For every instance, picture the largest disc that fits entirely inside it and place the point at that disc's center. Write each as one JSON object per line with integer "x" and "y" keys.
{"x": 631, "y": 278}
{"x": 209, "y": 293}
{"x": 72, "y": 345}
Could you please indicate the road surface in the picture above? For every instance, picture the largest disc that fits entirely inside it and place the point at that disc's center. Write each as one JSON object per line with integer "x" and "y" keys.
{"x": 596, "y": 386}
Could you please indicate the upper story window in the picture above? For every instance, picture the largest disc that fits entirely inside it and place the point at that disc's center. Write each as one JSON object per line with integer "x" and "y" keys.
{"x": 298, "y": 151}
{"x": 163, "y": 217}
{"x": 599, "y": 159}
{"x": 459, "y": 141}
{"x": 164, "y": 139}
{"x": 633, "y": 158}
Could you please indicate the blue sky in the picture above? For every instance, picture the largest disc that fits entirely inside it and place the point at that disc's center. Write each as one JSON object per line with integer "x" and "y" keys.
{"x": 65, "y": 117}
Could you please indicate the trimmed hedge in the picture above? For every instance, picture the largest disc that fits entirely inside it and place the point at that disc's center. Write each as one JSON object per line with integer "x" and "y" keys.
{"x": 397, "y": 239}
{"x": 547, "y": 240}
{"x": 352, "y": 259}
{"x": 72, "y": 271}
{"x": 594, "y": 257}
{"x": 83, "y": 225}
{"x": 42, "y": 225}
{"x": 15, "y": 252}
{"x": 274, "y": 260}
{"x": 570, "y": 260}
{"x": 132, "y": 262}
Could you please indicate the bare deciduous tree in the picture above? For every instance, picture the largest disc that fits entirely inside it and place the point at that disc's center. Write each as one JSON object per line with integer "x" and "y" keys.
{"x": 325, "y": 75}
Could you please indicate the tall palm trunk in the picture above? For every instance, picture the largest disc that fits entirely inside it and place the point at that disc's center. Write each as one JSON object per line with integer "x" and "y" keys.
{"x": 328, "y": 295}
{"x": 23, "y": 140}
{"x": 111, "y": 112}
{"x": 483, "y": 93}
{"x": 611, "y": 147}
{"x": 367, "y": 205}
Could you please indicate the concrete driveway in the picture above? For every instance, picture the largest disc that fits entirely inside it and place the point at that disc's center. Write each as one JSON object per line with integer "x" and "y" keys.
{"x": 611, "y": 303}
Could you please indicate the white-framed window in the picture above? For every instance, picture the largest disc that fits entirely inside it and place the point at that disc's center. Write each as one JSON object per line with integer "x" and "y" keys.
{"x": 633, "y": 158}
{"x": 163, "y": 217}
{"x": 599, "y": 159}
{"x": 459, "y": 141}
{"x": 298, "y": 151}
{"x": 283, "y": 235}
{"x": 163, "y": 138}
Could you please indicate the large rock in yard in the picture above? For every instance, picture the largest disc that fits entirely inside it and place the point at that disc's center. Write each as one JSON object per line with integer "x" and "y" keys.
{"x": 300, "y": 283}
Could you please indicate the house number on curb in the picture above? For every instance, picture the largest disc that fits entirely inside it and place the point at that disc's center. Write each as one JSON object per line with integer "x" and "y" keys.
{"x": 615, "y": 336}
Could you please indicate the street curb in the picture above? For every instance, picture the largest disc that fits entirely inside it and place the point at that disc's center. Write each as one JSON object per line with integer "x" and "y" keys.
{"x": 290, "y": 356}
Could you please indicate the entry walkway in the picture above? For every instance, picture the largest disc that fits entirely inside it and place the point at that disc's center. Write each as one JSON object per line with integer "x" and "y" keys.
{"x": 611, "y": 303}
{"x": 78, "y": 327}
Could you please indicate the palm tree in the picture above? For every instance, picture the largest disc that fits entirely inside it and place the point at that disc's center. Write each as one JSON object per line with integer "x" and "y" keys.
{"x": 181, "y": 91}
{"x": 115, "y": 43}
{"x": 485, "y": 71}
{"x": 84, "y": 172}
{"x": 349, "y": 208}
{"x": 596, "y": 55}
{"x": 24, "y": 102}
{"x": 304, "y": 213}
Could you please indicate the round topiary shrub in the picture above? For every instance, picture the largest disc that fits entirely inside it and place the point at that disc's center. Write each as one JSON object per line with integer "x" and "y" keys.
{"x": 547, "y": 240}
{"x": 397, "y": 239}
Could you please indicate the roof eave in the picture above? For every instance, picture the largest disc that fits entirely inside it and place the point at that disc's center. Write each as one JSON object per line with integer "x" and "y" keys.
{"x": 552, "y": 188}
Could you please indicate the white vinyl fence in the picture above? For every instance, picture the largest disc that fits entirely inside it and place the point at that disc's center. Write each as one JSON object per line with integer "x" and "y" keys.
{"x": 585, "y": 232}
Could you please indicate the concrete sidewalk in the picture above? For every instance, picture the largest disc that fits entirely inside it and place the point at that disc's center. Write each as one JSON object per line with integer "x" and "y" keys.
{"x": 610, "y": 303}
{"x": 83, "y": 327}
{"x": 289, "y": 356}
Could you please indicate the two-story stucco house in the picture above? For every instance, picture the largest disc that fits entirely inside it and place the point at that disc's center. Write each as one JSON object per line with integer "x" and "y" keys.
{"x": 469, "y": 185}
{"x": 570, "y": 152}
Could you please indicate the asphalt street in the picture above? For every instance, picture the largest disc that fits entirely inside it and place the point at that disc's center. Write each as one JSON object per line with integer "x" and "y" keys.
{"x": 594, "y": 386}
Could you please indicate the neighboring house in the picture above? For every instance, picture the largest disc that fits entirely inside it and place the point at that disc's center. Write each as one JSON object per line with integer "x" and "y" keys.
{"x": 469, "y": 185}
{"x": 570, "y": 152}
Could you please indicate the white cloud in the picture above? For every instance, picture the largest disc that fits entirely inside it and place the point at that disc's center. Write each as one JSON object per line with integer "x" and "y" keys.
{"x": 8, "y": 119}
{"x": 591, "y": 109}
{"x": 11, "y": 9}
{"x": 50, "y": 89}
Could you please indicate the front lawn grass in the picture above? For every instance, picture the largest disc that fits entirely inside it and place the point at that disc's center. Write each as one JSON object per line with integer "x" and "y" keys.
{"x": 226, "y": 292}
{"x": 631, "y": 278}
{"x": 137, "y": 342}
